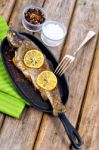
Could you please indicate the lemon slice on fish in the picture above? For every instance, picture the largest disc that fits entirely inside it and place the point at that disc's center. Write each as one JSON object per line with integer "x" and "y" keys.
{"x": 47, "y": 80}
{"x": 33, "y": 59}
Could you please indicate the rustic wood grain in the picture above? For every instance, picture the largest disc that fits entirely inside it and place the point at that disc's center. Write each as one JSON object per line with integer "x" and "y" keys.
{"x": 60, "y": 10}
{"x": 17, "y": 25}
{"x": 5, "y": 10}
{"x": 89, "y": 124}
{"x": 16, "y": 17}
{"x": 20, "y": 134}
{"x": 6, "y": 7}
{"x": 52, "y": 135}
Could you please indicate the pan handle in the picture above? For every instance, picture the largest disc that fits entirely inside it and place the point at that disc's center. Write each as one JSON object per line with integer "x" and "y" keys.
{"x": 71, "y": 132}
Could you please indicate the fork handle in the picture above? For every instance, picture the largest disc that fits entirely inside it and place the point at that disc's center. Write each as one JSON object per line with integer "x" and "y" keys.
{"x": 89, "y": 35}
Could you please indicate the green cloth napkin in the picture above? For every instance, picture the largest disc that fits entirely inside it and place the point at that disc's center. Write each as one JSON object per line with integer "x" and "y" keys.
{"x": 4, "y": 28}
{"x": 10, "y": 105}
{"x": 11, "y": 102}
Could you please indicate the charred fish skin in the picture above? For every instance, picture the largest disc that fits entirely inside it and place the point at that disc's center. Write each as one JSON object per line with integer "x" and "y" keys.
{"x": 31, "y": 73}
{"x": 15, "y": 38}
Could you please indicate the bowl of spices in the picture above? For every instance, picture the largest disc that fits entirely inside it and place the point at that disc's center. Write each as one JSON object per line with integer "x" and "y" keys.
{"x": 33, "y": 18}
{"x": 53, "y": 33}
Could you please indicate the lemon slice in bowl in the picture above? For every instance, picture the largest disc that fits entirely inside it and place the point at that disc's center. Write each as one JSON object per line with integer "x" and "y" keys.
{"x": 47, "y": 80}
{"x": 33, "y": 59}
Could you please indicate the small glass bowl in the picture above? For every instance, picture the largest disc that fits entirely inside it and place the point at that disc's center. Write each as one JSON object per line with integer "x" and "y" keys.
{"x": 29, "y": 26}
{"x": 52, "y": 42}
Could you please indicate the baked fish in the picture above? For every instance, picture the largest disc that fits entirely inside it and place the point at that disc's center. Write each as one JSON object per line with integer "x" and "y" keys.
{"x": 23, "y": 45}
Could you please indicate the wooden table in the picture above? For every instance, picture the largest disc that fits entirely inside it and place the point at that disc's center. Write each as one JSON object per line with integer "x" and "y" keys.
{"x": 38, "y": 131}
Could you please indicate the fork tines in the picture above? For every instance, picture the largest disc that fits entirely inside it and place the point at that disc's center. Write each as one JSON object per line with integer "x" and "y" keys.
{"x": 64, "y": 64}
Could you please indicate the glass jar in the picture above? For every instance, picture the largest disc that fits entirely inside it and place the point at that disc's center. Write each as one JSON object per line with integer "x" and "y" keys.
{"x": 29, "y": 26}
{"x": 51, "y": 40}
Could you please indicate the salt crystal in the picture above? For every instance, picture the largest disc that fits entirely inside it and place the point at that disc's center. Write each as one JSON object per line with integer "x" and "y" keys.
{"x": 53, "y": 31}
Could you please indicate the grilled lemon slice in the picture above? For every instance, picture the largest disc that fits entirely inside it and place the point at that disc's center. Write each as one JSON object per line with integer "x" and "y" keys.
{"x": 47, "y": 80}
{"x": 33, "y": 59}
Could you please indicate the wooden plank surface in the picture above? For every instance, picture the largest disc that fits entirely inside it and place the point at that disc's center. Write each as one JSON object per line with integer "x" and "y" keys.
{"x": 89, "y": 125}
{"x": 17, "y": 14}
{"x": 5, "y": 10}
{"x": 6, "y": 7}
{"x": 52, "y": 135}
{"x": 50, "y": 125}
{"x": 60, "y": 10}
{"x": 20, "y": 134}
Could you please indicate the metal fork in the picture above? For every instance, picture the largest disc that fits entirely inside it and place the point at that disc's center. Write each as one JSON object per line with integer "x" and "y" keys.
{"x": 68, "y": 59}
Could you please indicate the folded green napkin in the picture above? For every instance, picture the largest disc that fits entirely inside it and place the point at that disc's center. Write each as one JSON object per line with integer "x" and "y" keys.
{"x": 10, "y": 105}
{"x": 11, "y": 102}
{"x": 4, "y": 28}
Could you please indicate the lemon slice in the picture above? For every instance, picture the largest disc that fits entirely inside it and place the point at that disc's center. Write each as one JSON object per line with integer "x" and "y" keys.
{"x": 47, "y": 80}
{"x": 33, "y": 59}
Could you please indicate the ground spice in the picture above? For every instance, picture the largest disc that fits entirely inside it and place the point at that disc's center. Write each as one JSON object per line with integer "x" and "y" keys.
{"x": 34, "y": 16}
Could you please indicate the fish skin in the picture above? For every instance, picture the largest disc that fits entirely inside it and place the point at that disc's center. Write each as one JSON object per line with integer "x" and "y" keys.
{"x": 14, "y": 38}
{"x": 31, "y": 73}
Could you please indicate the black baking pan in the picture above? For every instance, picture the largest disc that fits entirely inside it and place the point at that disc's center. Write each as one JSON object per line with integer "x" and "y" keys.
{"x": 28, "y": 91}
